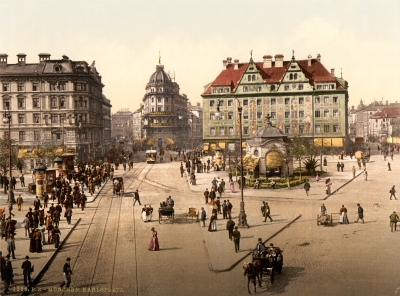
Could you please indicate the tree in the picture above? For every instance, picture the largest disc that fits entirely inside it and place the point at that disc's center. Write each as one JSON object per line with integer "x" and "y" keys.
{"x": 4, "y": 156}
{"x": 299, "y": 149}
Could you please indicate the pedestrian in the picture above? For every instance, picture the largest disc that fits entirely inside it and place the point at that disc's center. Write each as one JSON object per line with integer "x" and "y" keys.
{"x": 42, "y": 236}
{"x": 6, "y": 275}
{"x": 343, "y": 215}
{"x": 338, "y": 166}
{"x": 328, "y": 184}
{"x": 10, "y": 208}
{"x": 11, "y": 246}
{"x": 68, "y": 214}
{"x": 212, "y": 194}
{"x": 13, "y": 182}
{"x": 365, "y": 175}
{"x": 323, "y": 210}
{"x": 236, "y": 239}
{"x": 342, "y": 166}
{"x": 82, "y": 200}
{"x": 230, "y": 206}
{"x": 22, "y": 179}
{"x": 360, "y": 212}
{"x": 137, "y": 197}
{"x": 27, "y": 268}
{"x": 206, "y": 195}
{"x": 354, "y": 171}
{"x": 203, "y": 216}
{"x": 267, "y": 212}
{"x": 392, "y": 193}
{"x": 220, "y": 190}
{"x": 394, "y": 218}
{"x": 36, "y": 203}
{"x": 230, "y": 177}
{"x": 213, "y": 223}
{"x": 26, "y": 225}
{"x": 389, "y": 168}
{"x": 229, "y": 226}
{"x": 20, "y": 201}
{"x": 232, "y": 186}
{"x": 56, "y": 236}
{"x": 45, "y": 199}
{"x": 317, "y": 178}
{"x": 154, "y": 246}
{"x": 182, "y": 170}
{"x": 307, "y": 186}
{"x": 67, "y": 272}
{"x": 224, "y": 210}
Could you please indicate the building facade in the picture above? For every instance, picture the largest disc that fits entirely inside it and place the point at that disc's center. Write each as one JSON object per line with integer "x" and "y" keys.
{"x": 196, "y": 125}
{"x": 55, "y": 100}
{"x": 301, "y": 97}
{"x": 122, "y": 126}
{"x": 165, "y": 117}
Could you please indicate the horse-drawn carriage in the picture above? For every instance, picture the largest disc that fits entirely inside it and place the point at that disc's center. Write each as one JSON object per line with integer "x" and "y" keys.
{"x": 118, "y": 186}
{"x": 324, "y": 219}
{"x": 167, "y": 212}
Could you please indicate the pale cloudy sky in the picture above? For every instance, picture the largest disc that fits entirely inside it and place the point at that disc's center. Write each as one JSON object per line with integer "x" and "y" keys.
{"x": 361, "y": 37}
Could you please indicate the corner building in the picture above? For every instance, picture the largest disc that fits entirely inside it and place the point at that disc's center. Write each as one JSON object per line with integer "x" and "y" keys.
{"x": 301, "y": 96}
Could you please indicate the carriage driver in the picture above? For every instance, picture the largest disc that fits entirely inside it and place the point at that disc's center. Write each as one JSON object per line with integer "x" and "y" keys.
{"x": 260, "y": 248}
{"x": 323, "y": 210}
{"x": 170, "y": 201}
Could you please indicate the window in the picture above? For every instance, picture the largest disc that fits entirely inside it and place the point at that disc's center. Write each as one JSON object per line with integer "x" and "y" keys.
{"x": 258, "y": 88}
{"x": 259, "y": 102}
{"x": 21, "y": 103}
{"x": 35, "y": 86}
{"x": 226, "y": 90}
{"x": 317, "y": 101}
{"x": 301, "y": 114}
{"x": 248, "y": 77}
{"x": 54, "y": 118}
{"x": 230, "y": 103}
{"x": 246, "y": 130}
{"x": 166, "y": 99}
{"x": 36, "y": 103}
{"x": 301, "y": 101}
{"x": 152, "y": 109}
{"x": 6, "y": 104}
{"x": 335, "y": 100}
{"x": 63, "y": 117}
{"x": 83, "y": 117}
{"x": 319, "y": 86}
{"x": 20, "y": 87}
{"x": 36, "y": 118}
{"x": 287, "y": 114}
{"x": 287, "y": 129}
{"x": 53, "y": 86}
{"x": 317, "y": 113}
{"x": 222, "y": 131}
{"x": 53, "y": 102}
{"x": 212, "y": 131}
{"x": 212, "y": 116}
{"x": 301, "y": 129}
{"x": 220, "y": 103}
{"x": 84, "y": 104}
{"x": 221, "y": 90}
{"x": 214, "y": 90}
{"x": 57, "y": 136}
{"x": 317, "y": 128}
{"x": 245, "y": 115}
{"x": 300, "y": 87}
{"x": 287, "y": 101}
{"x": 253, "y": 77}
{"x": 245, "y": 89}
{"x": 63, "y": 102}
{"x": 230, "y": 130}
{"x": 335, "y": 128}
{"x": 245, "y": 102}
{"x": 332, "y": 86}
{"x": 159, "y": 109}
{"x": 21, "y": 136}
{"x": 230, "y": 115}
{"x": 326, "y": 100}
{"x": 273, "y": 114}
{"x": 152, "y": 99}
{"x": 62, "y": 86}
{"x": 21, "y": 118}
{"x": 286, "y": 87}
{"x": 259, "y": 115}
{"x": 6, "y": 87}
{"x": 79, "y": 86}
{"x": 326, "y": 128}
{"x": 212, "y": 103}
{"x": 326, "y": 113}
{"x": 273, "y": 101}
{"x": 335, "y": 113}
{"x": 158, "y": 100}
{"x": 272, "y": 87}
{"x": 36, "y": 136}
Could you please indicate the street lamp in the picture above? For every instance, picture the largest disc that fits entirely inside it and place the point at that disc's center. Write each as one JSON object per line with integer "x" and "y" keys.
{"x": 242, "y": 215}
{"x": 7, "y": 119}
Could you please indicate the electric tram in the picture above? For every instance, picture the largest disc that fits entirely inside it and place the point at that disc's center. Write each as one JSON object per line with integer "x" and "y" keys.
{"x": 151, "y": 156}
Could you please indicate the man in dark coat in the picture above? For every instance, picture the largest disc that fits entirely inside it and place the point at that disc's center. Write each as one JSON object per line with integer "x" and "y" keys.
{"x": 212, "y": 194}
{"x": 307, "y": 187}
{"x": 206, "y": 195}
{"x": 22, "y": 179}
{"x": 137, "y": 197}
{"x": 236, "y": 239}
{"x": 67, "y": 272}
{"x": 203, "y": 216}
{"x": 392, "y": 192}
{"x": 36, "y": 203}
{"x": 338, "y": 166}
{"x": 229, "y": 226}
{"x": 13, "y": 183}
{"x": 27, "y": 269}
{"x": 360, "y": 211}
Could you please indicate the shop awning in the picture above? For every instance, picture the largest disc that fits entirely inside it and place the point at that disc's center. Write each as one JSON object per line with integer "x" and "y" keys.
{"x": 150, "y": 142}
{"x": 169, "y": 141}
{"x": 222, "y": 145}
{"x": 24, "y": 153}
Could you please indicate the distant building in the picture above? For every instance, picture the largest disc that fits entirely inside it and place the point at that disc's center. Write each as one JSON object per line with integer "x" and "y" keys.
{"x": 197, "y": 113}
{"x": 122, "y": 126}
{"x": 137, "y": 123}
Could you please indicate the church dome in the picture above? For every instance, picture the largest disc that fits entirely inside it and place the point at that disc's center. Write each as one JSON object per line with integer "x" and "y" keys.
{"x": 159, "y": 75}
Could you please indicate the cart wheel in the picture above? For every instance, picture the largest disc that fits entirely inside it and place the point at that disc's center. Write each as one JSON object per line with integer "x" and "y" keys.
{"x": 331, "y": 220}
{"x": 318, "y": 223}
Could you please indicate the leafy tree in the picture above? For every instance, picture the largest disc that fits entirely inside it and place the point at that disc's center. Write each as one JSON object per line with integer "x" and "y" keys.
{"x": 4, "y": 155}
{"x": 299, "y": 149}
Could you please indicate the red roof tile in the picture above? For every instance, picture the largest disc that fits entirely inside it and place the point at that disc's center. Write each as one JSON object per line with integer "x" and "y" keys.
{"x": 389, "y": 112}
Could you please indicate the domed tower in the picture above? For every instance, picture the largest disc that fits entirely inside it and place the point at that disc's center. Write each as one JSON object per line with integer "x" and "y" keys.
{"x": 165, "y": 114}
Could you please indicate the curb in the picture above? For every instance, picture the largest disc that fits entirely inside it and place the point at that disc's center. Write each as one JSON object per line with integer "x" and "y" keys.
{"x": 249, "y": 253}
{"x": 98, "y": 193}
{"x": 337, "y": 189}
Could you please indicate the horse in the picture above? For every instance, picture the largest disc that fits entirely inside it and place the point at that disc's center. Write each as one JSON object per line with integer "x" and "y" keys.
{"x": 252, "y": 271}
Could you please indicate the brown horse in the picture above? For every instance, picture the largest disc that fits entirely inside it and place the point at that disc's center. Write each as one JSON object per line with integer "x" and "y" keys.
{"x": 252, "y": 271}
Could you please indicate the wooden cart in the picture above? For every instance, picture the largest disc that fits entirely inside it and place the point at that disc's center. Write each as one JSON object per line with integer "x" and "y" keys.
{"x": 193, "y": 213}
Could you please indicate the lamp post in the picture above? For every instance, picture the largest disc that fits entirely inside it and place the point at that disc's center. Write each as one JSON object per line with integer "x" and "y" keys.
{"x": 7, "y": 119}
{"x": 242, "y": 215}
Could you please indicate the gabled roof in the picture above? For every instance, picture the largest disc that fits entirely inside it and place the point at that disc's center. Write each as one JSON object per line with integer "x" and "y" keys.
{"x": 316, "y": 72}
{"x": 389, "y": 112}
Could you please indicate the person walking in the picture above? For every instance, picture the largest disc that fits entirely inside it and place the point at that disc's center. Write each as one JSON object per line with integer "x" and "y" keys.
{"x": 230, "y": 224}
{"x": 11, "y": 246}
{"x": 365, "y": 175}
{"x": 137, "y": 198}
{"x": 206, "y": 195}
{"x": 10, "y": 208}
{"x": 392, "y": 193}
{"x": 343, "y": 215}
{"x": 36, "y": 203}
{"x": 68, "y": 214}
{"x": 230, "y": 206}
{"x": 394, "y": 218}
{"x": 220, "y": 190}
{"x": 267, "y": 212}
{"x": 22, "y": 179}
{"x": 203, "y": 216}
{"x": 26, "y": 225}
{"x": 360, "y": 211}
{"x": 353, "y": 169}
{"x": 13, "y": 182}
{"x": 236, "y": 239}
{"x": 342, "y": 166}
{"x": 224, "y": 210}
{"x": 213, "y": 223}
{"x": 56, "y": 233}
{"x": 67, "y": 272}
{"x": 154, "y": 246}
{"x": 338, "y": 166}
{"x": 27, "y": 269}
{"x": 20, "y": 201}
{"x": 389, "y": 168}
{"x": 317, "y": 178}
{"x": 307, "y": 187}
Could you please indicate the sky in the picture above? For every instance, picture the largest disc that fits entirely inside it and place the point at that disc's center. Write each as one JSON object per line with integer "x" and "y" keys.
{"x": 360, "y": 38}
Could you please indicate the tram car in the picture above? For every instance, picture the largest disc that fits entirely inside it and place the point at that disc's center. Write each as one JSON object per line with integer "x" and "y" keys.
{"x": 151, "y": 156}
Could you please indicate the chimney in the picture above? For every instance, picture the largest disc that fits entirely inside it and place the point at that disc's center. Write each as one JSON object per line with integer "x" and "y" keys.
{"x": 198, "y": 104}
{"x": 278, "y": 61}
{"x": 3, "y": 59}
{"x": 65, "y": 58}
{"x": 333, "y": 72}
{"x": 309, "y": 60}
{"x": 224, "y": 63}
{"x": 43, "y": 57}
{"x": 267, "y": 61}
{"x": 319, "y": 58}
{"x": 229, "y": 60}
{"x": 236, "y": 64}
{"x": 21, "y": 59}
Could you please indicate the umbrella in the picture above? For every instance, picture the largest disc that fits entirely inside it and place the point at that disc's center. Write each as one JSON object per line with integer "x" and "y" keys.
{"x": 213, "y": 202}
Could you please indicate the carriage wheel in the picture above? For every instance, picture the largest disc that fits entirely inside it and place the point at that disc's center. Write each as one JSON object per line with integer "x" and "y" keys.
{"x": 331, "y": 220}
{"x": 318, "y": 222}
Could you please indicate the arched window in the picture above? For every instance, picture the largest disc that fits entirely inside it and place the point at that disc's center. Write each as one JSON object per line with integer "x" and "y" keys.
{"x": 53, "y": 102}
{"x": 295, "y": 76}
{"x": 248, "y": 77}
{"x": 253, "y": 77}
{"x": 272, "y": 87}
{"x": 291, "y": 76}
{"x": 63, "y": 102}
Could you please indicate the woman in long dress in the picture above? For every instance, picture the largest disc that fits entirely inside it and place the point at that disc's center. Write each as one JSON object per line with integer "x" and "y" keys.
{"x": 149, "y": 213}
{"x": 144, "y": 215}
{"x": 232, "y": 186}
{"x": 317, "y": 177}
{"x": 213, "y": 223}
{"x": 154, "y": 246}
{"x": 343, "y": 216}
